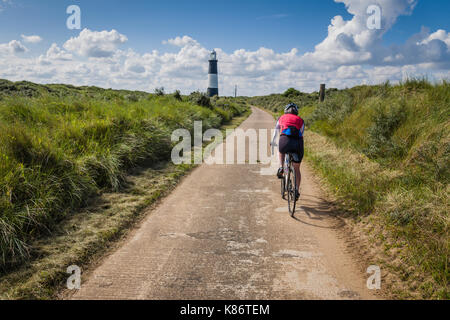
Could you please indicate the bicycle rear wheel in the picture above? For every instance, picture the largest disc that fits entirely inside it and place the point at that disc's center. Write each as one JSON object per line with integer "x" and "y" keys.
{"x": 283, "y": 188}
{"x": 292, "y": 190}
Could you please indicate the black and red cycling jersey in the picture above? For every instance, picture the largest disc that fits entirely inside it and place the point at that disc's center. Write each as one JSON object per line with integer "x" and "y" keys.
{"x": 291, "y": 125}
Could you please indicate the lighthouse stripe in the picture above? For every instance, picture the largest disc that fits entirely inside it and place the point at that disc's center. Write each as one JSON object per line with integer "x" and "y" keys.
{"x": 213, "y": 67}
{"x": 213, "y": 81}
{"x": 213, "y": 92}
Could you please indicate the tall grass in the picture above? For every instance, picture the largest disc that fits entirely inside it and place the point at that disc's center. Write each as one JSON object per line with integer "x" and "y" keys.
{"x": 401, "y": 176}
{"x": 60, "y": 145}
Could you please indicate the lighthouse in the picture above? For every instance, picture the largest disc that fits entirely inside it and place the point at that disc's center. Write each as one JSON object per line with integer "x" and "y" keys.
{"x": 213, "y": 88}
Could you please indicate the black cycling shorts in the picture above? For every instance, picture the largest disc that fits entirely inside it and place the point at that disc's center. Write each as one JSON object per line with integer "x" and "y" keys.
{"x": 293, "y": 146}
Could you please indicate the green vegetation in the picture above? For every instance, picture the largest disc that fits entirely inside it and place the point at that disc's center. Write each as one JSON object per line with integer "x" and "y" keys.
{"x": 389, "y": 166}
{"x": 85, "y": 236}
{"x": 277, "y": 102}
{"x": 60, "y": 145}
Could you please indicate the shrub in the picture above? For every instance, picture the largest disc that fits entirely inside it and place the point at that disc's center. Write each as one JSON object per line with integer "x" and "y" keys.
{"x": 132, "y": 98}
{"x": 160, "y": 92}
{"x": 177, "y": 95}
{"x": 291, "y": 92}
{"x": 200, "y": 99}
{"x": 385, "y": 122}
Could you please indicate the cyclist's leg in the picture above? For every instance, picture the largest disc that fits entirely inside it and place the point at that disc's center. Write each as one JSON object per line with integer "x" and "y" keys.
{"x": 282, "y": 157}
{"x": 283, "y": 149}
{"x": 298, "y": 174}
{"x": 281, "y": 168}
{"x": 298, "y": 158}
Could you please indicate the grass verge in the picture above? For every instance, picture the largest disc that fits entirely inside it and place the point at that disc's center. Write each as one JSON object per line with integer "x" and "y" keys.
{"x": 413, "y": 258}
{"x": 384, "y": 151}
{"x": 86, "y": 236}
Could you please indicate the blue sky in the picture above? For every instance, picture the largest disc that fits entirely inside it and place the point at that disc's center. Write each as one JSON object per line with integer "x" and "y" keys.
{"x": 229, "y": 25}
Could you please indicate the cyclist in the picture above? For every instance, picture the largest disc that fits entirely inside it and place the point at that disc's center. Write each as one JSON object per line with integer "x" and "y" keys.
{"x": 291, "y": 129}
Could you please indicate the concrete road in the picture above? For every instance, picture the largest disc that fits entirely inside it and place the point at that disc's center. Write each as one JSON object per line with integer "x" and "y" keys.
{"x": 225, "y": 233}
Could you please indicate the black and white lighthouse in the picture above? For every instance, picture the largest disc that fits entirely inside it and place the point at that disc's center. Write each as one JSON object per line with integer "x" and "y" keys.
{"x": 213, "y": 88}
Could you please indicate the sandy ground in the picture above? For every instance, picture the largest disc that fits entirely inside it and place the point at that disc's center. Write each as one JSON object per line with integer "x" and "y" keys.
{"x": 225, "y": 233}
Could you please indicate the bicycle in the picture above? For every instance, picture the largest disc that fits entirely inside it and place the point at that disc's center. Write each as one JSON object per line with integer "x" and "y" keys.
{"x": 289, "y": 185}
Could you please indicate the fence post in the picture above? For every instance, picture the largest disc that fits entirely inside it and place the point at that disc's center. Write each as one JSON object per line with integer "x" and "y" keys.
{"x": 322, "y": 92}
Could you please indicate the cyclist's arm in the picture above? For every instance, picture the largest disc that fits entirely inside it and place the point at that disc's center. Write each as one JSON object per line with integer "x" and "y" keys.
{"x": 275, "y": 134}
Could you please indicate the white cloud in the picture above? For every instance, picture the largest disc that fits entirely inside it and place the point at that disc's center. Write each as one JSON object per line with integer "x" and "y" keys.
{"x": 438, "y": 35}
{"x": 134, "y": 65}
{"x": 96, "y": 44}
{"x": 13, "y": 47}
{"x": 351, "y": 41}
{"x": 351, "y": 54}
{"x": 182, "y": 41}
{"x": 56, "y": 53}
{"x": 31, "y": 39}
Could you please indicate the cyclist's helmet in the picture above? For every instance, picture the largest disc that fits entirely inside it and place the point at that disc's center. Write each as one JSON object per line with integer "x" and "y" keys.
{"x": 291, "y": 108}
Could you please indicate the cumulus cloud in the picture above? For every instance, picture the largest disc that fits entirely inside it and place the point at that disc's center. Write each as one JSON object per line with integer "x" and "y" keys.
{"x": 438, "y": 35}
{"x": 31, "y": 39}
{"x": 134, "y": 63}
{"x": 424, "y": 47}
{"x": 56, "y": 53}
{"x": 351, "y": 41}
{"x": 181, "y": 41}
{"x": 13, "y": 47}
{"x": 96, "y": 44}
{"x": 351, "y": 54}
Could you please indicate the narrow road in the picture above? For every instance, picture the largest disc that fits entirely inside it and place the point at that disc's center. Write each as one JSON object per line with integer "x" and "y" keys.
{"x": 225, "y": 233}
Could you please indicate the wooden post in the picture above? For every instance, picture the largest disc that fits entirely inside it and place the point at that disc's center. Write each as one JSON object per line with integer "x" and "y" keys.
{"x": 322, "y": 92}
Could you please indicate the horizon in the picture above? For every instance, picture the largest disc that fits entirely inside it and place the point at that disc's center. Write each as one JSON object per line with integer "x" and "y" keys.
{"x": 263, "y": 47}
{"x": 437, "y": 82}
